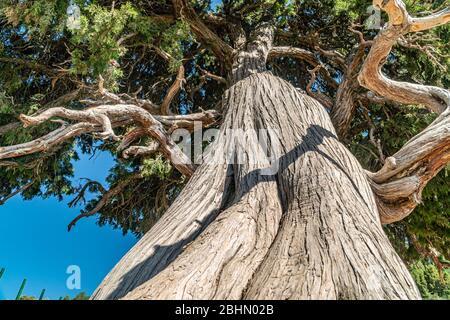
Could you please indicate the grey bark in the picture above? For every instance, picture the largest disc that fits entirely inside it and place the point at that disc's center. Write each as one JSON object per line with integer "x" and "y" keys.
{"x": 309, "y": 231}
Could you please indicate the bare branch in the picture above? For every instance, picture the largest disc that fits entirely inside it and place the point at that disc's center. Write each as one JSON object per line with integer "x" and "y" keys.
{"x": 173, "y": 91}
{"x": 12, "y": 194}
{"x": 48, "y": 141}
{"x": 400, "y": 182}
{"x": 335, "y": 56}
{"x": 207, "y": 118}
{"x": 293, "y": 52}
{"x": 305, "y": 55}
{"x": 130, "y": 137}
{"x": 372, "y": 78}
{"x": 88, "y": 115}
{"x": 101, "y": 115}
{"x": 107, "y": 196}
{"x": 438, "y": 19}
{"x": 319, "y": 96}
{"x": 207, "y": 74}
{"x": 139, "y": 151}
{"x": 64, "y": 99}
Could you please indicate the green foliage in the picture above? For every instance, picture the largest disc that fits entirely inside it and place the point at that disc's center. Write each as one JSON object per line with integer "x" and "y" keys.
{"x": 157, "y": 167}
{"x": 6, "y": 105}
{"x": 430, "y": 222}
{"x": 103, "y": 31}
{"x": 80, "y": 296}
{"x": 431, "y": 284}
{"x": 172, "y": 43}
{"x": 349, "y": 6}
{"x": 39, "y": 16}
{"x": 99, "y": 32}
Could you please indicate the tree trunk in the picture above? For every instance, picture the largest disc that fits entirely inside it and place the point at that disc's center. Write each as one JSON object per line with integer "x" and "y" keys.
{"x": 308, "y": 230}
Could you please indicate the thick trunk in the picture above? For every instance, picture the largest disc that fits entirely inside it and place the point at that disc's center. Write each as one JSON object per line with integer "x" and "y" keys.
{"x": 311, "y": 230}
{"x": 306, "y": 228}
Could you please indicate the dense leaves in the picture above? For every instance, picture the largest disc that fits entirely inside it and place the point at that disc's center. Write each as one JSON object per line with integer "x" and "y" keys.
{"x": 432, "y": 284}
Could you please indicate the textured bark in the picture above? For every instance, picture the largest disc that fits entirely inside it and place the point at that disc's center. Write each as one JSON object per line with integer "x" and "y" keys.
{"x": 344, "y": 107}
{"x": 199, "y": 203}
{"x": 102, "y": 119}
{"x": 311, "y": 230}
{"x": 308, "y": 227}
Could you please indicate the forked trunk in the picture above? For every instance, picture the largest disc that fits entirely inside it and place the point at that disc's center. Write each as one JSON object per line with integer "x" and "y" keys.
{"x": 305, "y": 226}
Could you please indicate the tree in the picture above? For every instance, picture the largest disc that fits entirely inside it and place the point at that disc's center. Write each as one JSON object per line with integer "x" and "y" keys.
{"x": 432, "y": 284}
{"x": 80, "y": 296}
{"x": 289, "y": 215}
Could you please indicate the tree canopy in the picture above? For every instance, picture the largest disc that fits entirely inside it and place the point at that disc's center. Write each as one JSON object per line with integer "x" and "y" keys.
{"x": 148, "y": 53}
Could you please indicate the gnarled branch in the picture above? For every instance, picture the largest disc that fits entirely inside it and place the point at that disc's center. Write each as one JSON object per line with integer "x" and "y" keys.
{"x": 93, "y": 119}
{"x": 400, "y": 182}
{"x": 302, "y": 54}
{"x": 440, "y": 18}
{"x": 434, "y": 98}
{"x": 293, "y": 52}
{"x": 139, "y": 151}
{"x": 319, "y": 96}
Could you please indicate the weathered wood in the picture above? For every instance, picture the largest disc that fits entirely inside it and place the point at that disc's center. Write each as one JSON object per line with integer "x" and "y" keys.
{"x": 425, "y": 154}
{"x": 101, "y": 120}
{"x": 310, "y": 231}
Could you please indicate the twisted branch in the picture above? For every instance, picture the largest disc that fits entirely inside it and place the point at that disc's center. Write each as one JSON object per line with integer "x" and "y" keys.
{"x": 101, "y": 120}
{"x": 400, "y": 182}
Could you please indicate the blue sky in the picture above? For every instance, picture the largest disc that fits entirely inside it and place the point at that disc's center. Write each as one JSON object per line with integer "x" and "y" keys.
{"x": 35, "y": 244}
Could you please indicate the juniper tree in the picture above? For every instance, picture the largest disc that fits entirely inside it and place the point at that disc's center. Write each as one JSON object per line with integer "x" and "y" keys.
{"x": 298, "y": 214}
